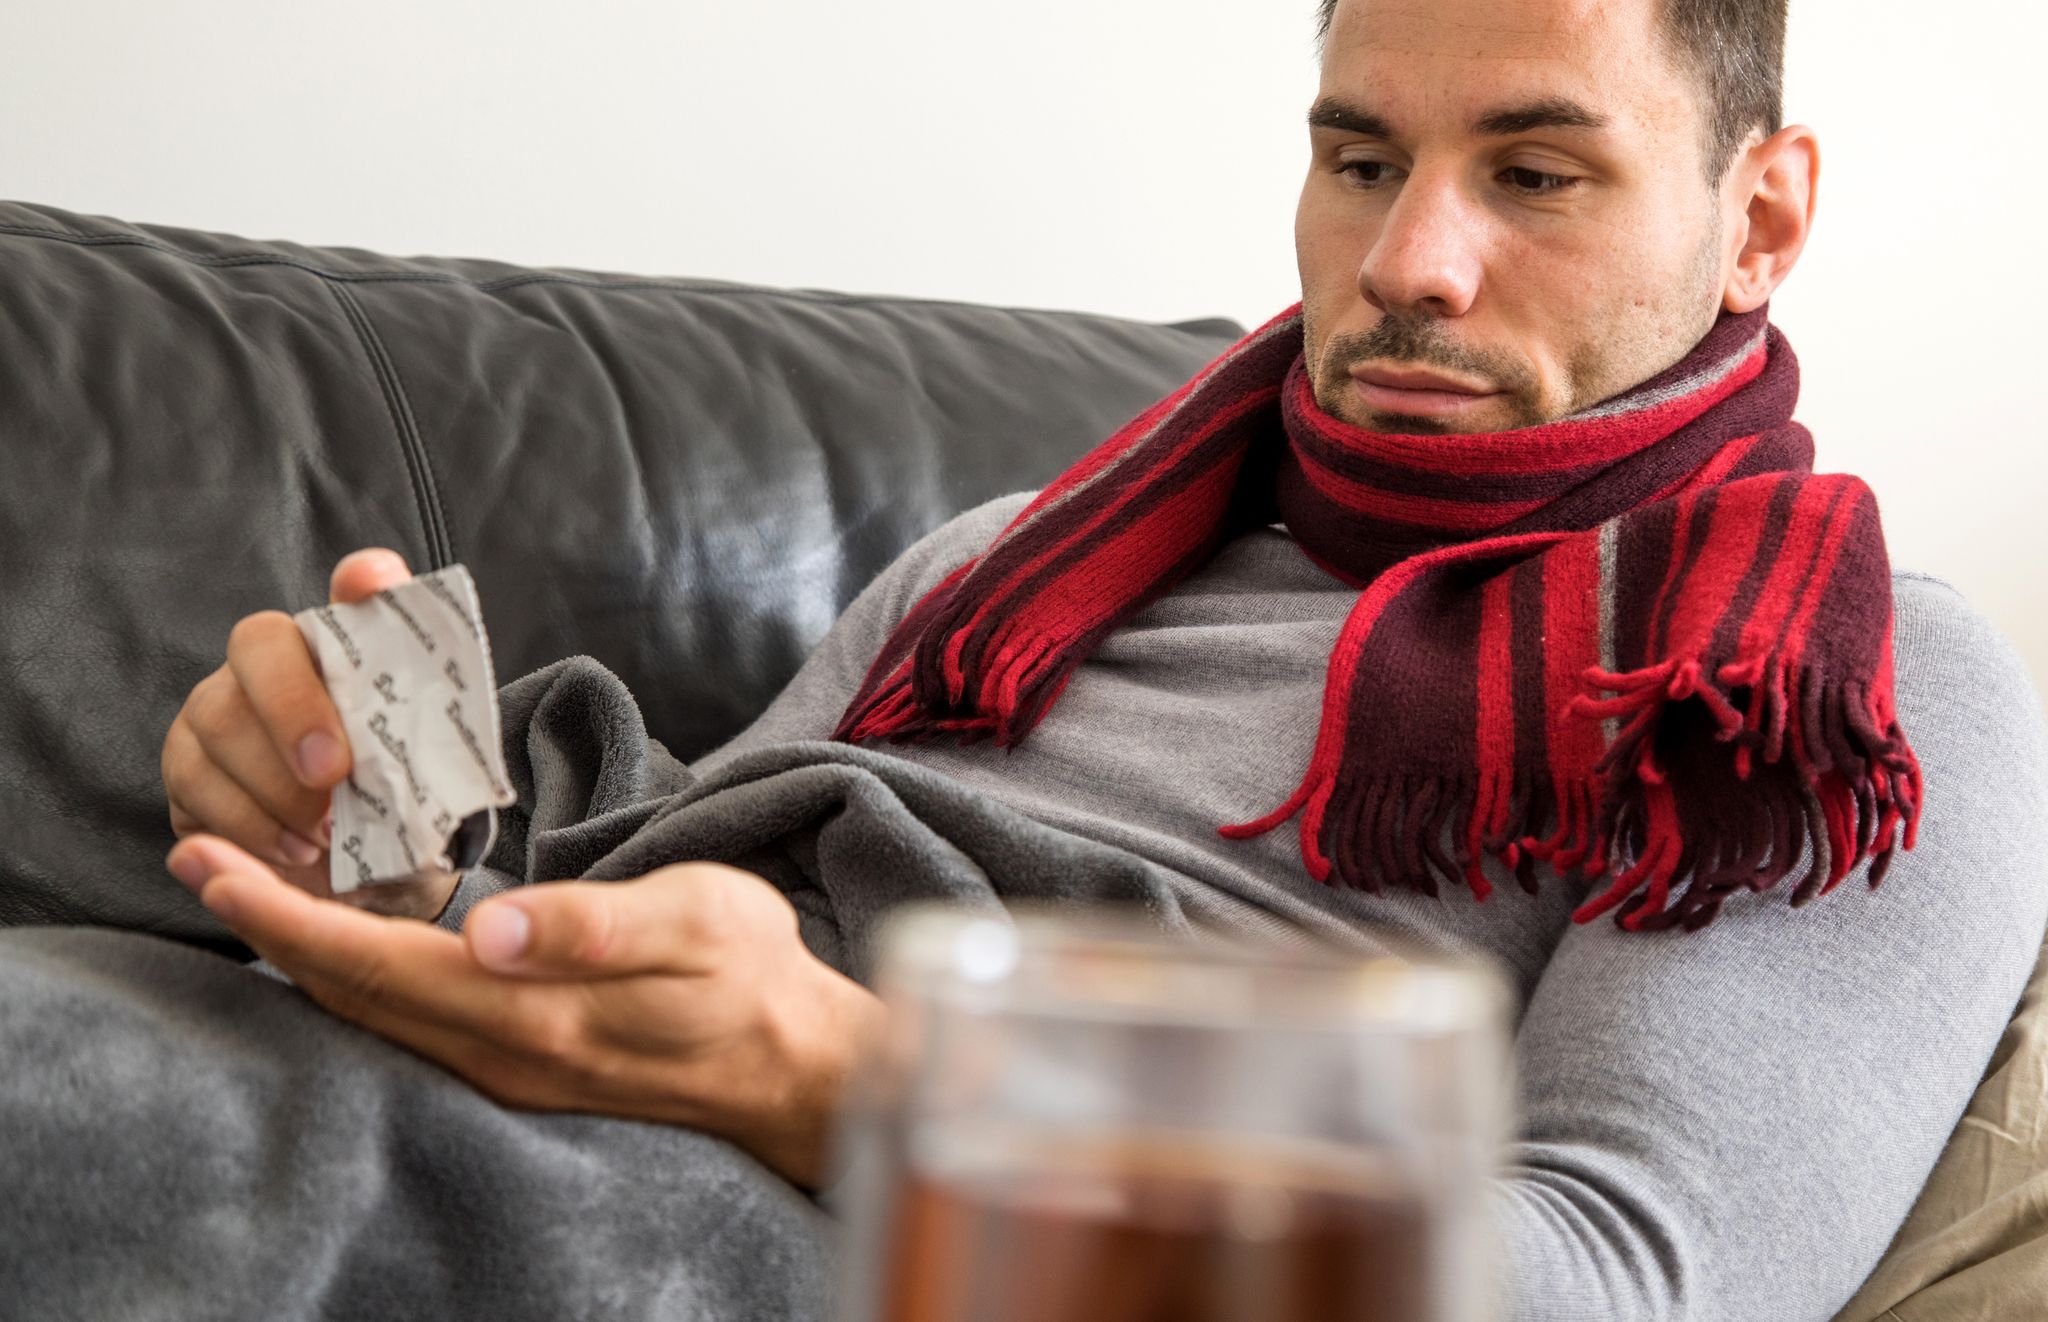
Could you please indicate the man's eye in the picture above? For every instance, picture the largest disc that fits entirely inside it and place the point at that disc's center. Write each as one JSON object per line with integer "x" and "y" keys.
{"x": 1536, "y": 182}
{"x": 1366, "y": 174}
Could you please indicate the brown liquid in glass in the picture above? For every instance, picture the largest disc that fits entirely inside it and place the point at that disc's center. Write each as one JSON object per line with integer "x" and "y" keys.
{"x": 1151, "y": 1232}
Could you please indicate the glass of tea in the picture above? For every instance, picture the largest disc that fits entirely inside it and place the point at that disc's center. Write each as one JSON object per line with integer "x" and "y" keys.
{"x": 1076, "y": 1118}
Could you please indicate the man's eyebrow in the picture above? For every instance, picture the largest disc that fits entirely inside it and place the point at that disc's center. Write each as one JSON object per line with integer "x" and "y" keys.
{"x": 1330, "y": 113}
{"x": 1550, "y": 112}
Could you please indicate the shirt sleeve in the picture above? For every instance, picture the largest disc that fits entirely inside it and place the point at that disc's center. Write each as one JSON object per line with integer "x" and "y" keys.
{"x": 1732, "y": 1124}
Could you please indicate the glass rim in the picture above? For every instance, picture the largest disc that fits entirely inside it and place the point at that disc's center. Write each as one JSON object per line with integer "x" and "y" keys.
{"x": 1113, "y": 964}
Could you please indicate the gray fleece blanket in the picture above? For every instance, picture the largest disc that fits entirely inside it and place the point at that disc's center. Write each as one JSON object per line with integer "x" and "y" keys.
{"x": 183, "y": 1137}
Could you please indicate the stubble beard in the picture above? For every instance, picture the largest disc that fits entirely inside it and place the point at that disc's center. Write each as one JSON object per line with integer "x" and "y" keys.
{"x": 1624, "y": 353}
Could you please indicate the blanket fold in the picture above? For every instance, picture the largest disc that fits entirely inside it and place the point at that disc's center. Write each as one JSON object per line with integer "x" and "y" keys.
{"x": 846, "y": 833}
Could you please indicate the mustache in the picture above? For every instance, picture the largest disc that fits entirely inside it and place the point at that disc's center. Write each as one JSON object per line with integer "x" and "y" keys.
{"x": 1422, "y": 342}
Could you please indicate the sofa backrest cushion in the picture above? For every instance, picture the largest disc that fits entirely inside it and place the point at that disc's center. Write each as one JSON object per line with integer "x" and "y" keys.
{"x": 686, "y": 479}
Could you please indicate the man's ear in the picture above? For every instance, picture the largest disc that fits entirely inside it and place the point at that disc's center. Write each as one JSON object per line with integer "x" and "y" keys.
{"x": 1779, "y": 177}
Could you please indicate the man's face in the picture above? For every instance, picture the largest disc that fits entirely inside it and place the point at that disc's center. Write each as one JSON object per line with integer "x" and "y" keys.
{"x": 1506, "y": 217}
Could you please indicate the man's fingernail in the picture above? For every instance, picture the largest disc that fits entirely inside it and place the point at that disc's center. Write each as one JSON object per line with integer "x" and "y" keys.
{"x": 499, "y": 933}
{"x": 327, "y": 831}
{"x": 319, "y": 756}
{"x": 189, "y": 868}
{"x": 297, "y": 850}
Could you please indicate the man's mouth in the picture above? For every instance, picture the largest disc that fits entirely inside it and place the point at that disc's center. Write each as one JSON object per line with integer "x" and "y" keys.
{"x": 1417, "y": 391}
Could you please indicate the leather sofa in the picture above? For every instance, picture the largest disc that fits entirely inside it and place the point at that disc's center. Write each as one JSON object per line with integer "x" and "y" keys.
{"x": 685, "y": 479}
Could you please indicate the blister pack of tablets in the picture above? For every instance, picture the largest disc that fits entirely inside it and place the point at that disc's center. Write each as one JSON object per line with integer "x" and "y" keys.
{"x": 409, "y": 670}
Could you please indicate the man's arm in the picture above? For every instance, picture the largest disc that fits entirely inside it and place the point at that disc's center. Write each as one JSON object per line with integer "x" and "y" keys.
{"x": 1732, "y": 1124}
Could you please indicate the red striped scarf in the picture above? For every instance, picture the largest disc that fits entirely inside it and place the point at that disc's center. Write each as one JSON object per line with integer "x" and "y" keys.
{"x": 1645, "y": 644}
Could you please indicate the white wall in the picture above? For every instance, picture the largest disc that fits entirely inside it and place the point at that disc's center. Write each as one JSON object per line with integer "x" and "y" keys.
{"x": 1128, "y": 156}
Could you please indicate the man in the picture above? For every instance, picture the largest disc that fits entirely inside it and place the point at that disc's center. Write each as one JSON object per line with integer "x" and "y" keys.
{"x": 1474, "y": 556}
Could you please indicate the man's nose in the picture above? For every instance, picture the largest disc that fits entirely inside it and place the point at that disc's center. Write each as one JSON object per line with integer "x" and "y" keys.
{"x": 1426, "y": 257}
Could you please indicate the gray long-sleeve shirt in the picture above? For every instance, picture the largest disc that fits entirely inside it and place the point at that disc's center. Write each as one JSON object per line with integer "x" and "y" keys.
{"x": 1725, "y": 1126}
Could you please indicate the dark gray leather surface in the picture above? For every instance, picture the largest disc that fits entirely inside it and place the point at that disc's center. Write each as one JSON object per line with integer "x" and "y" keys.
{"x": 685, "y": 479}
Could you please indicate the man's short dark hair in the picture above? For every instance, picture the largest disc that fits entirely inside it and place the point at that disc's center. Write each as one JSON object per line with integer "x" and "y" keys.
{"x": 1735, "y": 51}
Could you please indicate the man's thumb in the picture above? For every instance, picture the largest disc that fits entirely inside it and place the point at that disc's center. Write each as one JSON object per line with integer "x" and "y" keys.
{"x": 500, "y": 935}
{"x": 365, "y": 573}
{"x": 674, "y": 920}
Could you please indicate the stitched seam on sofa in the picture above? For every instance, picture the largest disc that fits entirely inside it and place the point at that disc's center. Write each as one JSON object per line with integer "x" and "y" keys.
{"x": 676, "y": 284}
{"x": 411, "y": 444}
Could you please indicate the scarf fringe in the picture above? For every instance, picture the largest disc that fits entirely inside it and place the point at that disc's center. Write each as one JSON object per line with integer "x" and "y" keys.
{"x": 1848, "y": 787}
{"x": 1026, "y": 684}
{"x": 1824, "y": 771}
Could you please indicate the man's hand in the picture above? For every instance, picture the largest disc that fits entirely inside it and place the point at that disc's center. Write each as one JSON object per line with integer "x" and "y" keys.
{"x": 685, "y": 996}
{"x": 258, "y": 746}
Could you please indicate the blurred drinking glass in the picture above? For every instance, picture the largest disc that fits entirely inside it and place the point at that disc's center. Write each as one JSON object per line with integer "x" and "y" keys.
{"x": 1076, "y": 1119}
